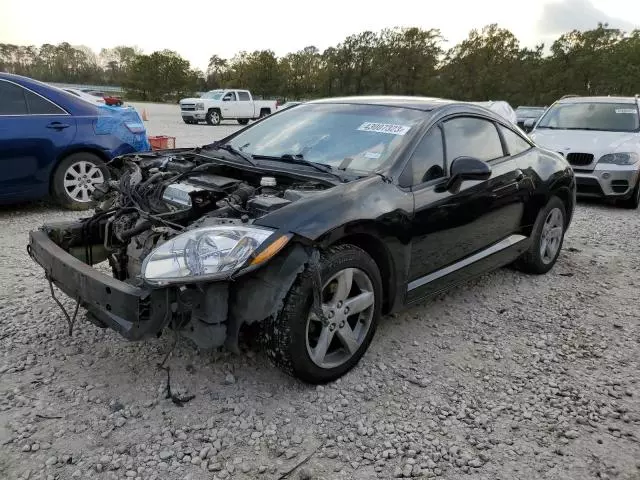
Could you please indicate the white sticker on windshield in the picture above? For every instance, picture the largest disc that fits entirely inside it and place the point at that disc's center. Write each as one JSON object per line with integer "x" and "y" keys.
{"x": 626, "y": 110}
{"x": 372, "y": 155}
{"x": 384, "y": 128}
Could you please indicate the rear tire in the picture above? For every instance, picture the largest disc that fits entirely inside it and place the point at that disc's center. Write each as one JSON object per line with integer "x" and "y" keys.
{"x": 76, "y": 177}
{"x": 264, "y": 112}
{"x": 547, "y": 239}
{"x": 293, "y": 338}
{"x": 634, "y": 200}
{"x": 243, "y": 121}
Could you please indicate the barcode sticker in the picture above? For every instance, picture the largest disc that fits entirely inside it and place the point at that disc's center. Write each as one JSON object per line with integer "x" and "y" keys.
{"x": 626, "y": 110}
{"x": 384, "y": 128}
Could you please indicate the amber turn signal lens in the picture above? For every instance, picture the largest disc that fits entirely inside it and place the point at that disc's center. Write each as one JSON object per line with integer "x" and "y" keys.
{"x": 270, "y": 251}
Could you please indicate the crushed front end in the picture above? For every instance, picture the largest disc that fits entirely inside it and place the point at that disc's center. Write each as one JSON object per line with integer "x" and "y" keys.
{"x": 173, "y": 244}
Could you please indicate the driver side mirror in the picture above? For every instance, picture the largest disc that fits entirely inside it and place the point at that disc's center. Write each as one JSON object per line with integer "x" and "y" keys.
{"x": 466, "y": 168}
{"x": 528, "y": 125}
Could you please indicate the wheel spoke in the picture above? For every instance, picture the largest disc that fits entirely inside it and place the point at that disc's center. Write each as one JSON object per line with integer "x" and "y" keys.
{"x": 93, "y": 171}
{"x": 71, "y": 183}
{"x": 73, "y": 172}
{"x": 74, "y": 193}
{"x": 555, "y": 232}
{"x": 320, "y": 350}
{"x": 543, "y": 246}
{"x": 359, "y": 303}
{"x": 345, "y": 280}
{"x": 348, "y": 339}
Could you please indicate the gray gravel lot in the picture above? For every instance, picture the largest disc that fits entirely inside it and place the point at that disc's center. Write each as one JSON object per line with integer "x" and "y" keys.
{"x": 507, "y": 377}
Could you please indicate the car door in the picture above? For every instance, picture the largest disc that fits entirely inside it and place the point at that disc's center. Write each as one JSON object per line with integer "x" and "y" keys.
{"x": 455, "y": 234}
{"x": 33, "y": 132}
{"x": 230, "y": 105}
{"x": 245, "y": 105}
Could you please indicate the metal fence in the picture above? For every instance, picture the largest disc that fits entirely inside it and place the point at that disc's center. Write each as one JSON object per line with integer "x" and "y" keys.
{"x": 99, "y": 88}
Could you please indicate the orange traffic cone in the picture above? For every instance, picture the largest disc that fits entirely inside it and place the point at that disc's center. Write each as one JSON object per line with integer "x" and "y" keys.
{"x": 144, "y": 114}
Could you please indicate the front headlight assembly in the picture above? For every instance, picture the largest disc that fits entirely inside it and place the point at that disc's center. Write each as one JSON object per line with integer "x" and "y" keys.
{"x": 620, "y": 158}
{"x": 200, "y": 106}
{"x": 210, "y": 253}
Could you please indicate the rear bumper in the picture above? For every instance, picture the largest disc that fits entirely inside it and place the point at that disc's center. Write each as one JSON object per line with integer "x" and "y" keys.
{"x": 612, "y": 181}
{"x": 135, "y": 313}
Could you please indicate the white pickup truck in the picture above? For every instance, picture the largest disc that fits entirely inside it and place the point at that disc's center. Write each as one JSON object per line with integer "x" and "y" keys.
{"x": 218, "y": 105}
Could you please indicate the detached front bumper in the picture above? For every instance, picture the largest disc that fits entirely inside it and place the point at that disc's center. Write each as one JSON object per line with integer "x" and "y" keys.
{"x": 215, "y": 310}
{"x": 135, "y": 313}
{"x": 614, "y": 181}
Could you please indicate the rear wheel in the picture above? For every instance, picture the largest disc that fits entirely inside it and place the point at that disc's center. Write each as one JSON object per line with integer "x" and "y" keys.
{"x": 243, "y": 121}
{"x": 213, "y": 117}
{"x": 319, "y": 345}
{"x": 634, "y": 200}
{"x": 547, "y": 238}
{"x": 264, "y": 112}
{"x": 75, "y": 179}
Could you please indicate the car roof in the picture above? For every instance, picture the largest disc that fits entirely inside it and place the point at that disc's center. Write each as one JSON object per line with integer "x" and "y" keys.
{"x": 417, "y": 103}
{"x": 72, "y": 104}
{"x": 594, "y": 99}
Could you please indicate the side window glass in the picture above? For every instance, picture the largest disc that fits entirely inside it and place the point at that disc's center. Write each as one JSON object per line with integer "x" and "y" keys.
{"x": 472, "y": 137}
{"x": 12, "y": 101}
{"x": 427, "y": 160}
{"x": 41, "y": 106}
{"x": 230, "y": 97}
{"x": 515, "y": 143}
{"x": 243, "y": 96}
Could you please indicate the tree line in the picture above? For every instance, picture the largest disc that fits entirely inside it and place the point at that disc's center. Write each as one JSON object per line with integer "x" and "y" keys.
{"x": 490, "y": 64}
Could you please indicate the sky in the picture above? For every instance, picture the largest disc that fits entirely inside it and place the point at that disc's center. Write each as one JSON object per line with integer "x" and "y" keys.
{"x": 199, "y": 29}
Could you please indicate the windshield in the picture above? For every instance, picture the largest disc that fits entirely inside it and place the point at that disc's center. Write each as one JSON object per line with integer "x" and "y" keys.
{"x": 358, "y": 137}
{"x": 213, "y": 95}
{"x": 613, "y": 117}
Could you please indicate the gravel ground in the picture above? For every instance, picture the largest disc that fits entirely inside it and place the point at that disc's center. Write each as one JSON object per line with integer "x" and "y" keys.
{"x": 507, "y": 377}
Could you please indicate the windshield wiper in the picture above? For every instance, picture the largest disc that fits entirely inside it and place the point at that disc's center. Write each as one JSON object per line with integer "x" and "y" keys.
{"x": 300, "y": 160}
{"x": 227, "y": 147}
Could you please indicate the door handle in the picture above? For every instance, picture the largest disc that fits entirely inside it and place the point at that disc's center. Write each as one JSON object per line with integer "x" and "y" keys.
{"x": 58, "y": 125}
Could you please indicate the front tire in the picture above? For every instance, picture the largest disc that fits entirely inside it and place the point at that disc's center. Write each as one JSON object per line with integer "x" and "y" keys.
{"x": 547, "y": 239}
{"x": 75, "y": 180}
{"x": 213, "y": 117}
{"x": 321, "y": 346}
{"x": 634, "y": 200}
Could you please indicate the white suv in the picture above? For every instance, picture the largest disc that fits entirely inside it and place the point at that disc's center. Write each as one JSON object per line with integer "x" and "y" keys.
{"x": 600, "y": 138}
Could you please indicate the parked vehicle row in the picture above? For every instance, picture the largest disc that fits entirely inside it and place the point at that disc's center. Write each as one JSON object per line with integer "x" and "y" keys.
{"x": 54, "y": 142}
{"x": 600, "y": 138}
{"x": 218, "y": 105}
{"x": 311, "y": 224}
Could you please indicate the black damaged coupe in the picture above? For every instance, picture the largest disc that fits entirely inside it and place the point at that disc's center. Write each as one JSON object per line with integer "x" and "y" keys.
{"x": 310, "y": 224}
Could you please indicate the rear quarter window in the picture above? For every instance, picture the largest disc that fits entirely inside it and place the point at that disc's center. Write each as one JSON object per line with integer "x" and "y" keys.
{"x": 41, "y": 106}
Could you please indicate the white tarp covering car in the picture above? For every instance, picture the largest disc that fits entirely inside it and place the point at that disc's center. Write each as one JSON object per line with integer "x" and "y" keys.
{"x": 502, "y": 108}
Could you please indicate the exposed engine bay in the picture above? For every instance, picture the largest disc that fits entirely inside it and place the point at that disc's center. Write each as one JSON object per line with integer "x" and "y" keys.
{"x": 152, "y": 198}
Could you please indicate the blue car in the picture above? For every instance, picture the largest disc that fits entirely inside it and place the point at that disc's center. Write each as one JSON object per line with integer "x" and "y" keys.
{"x": 53, "y": 143}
